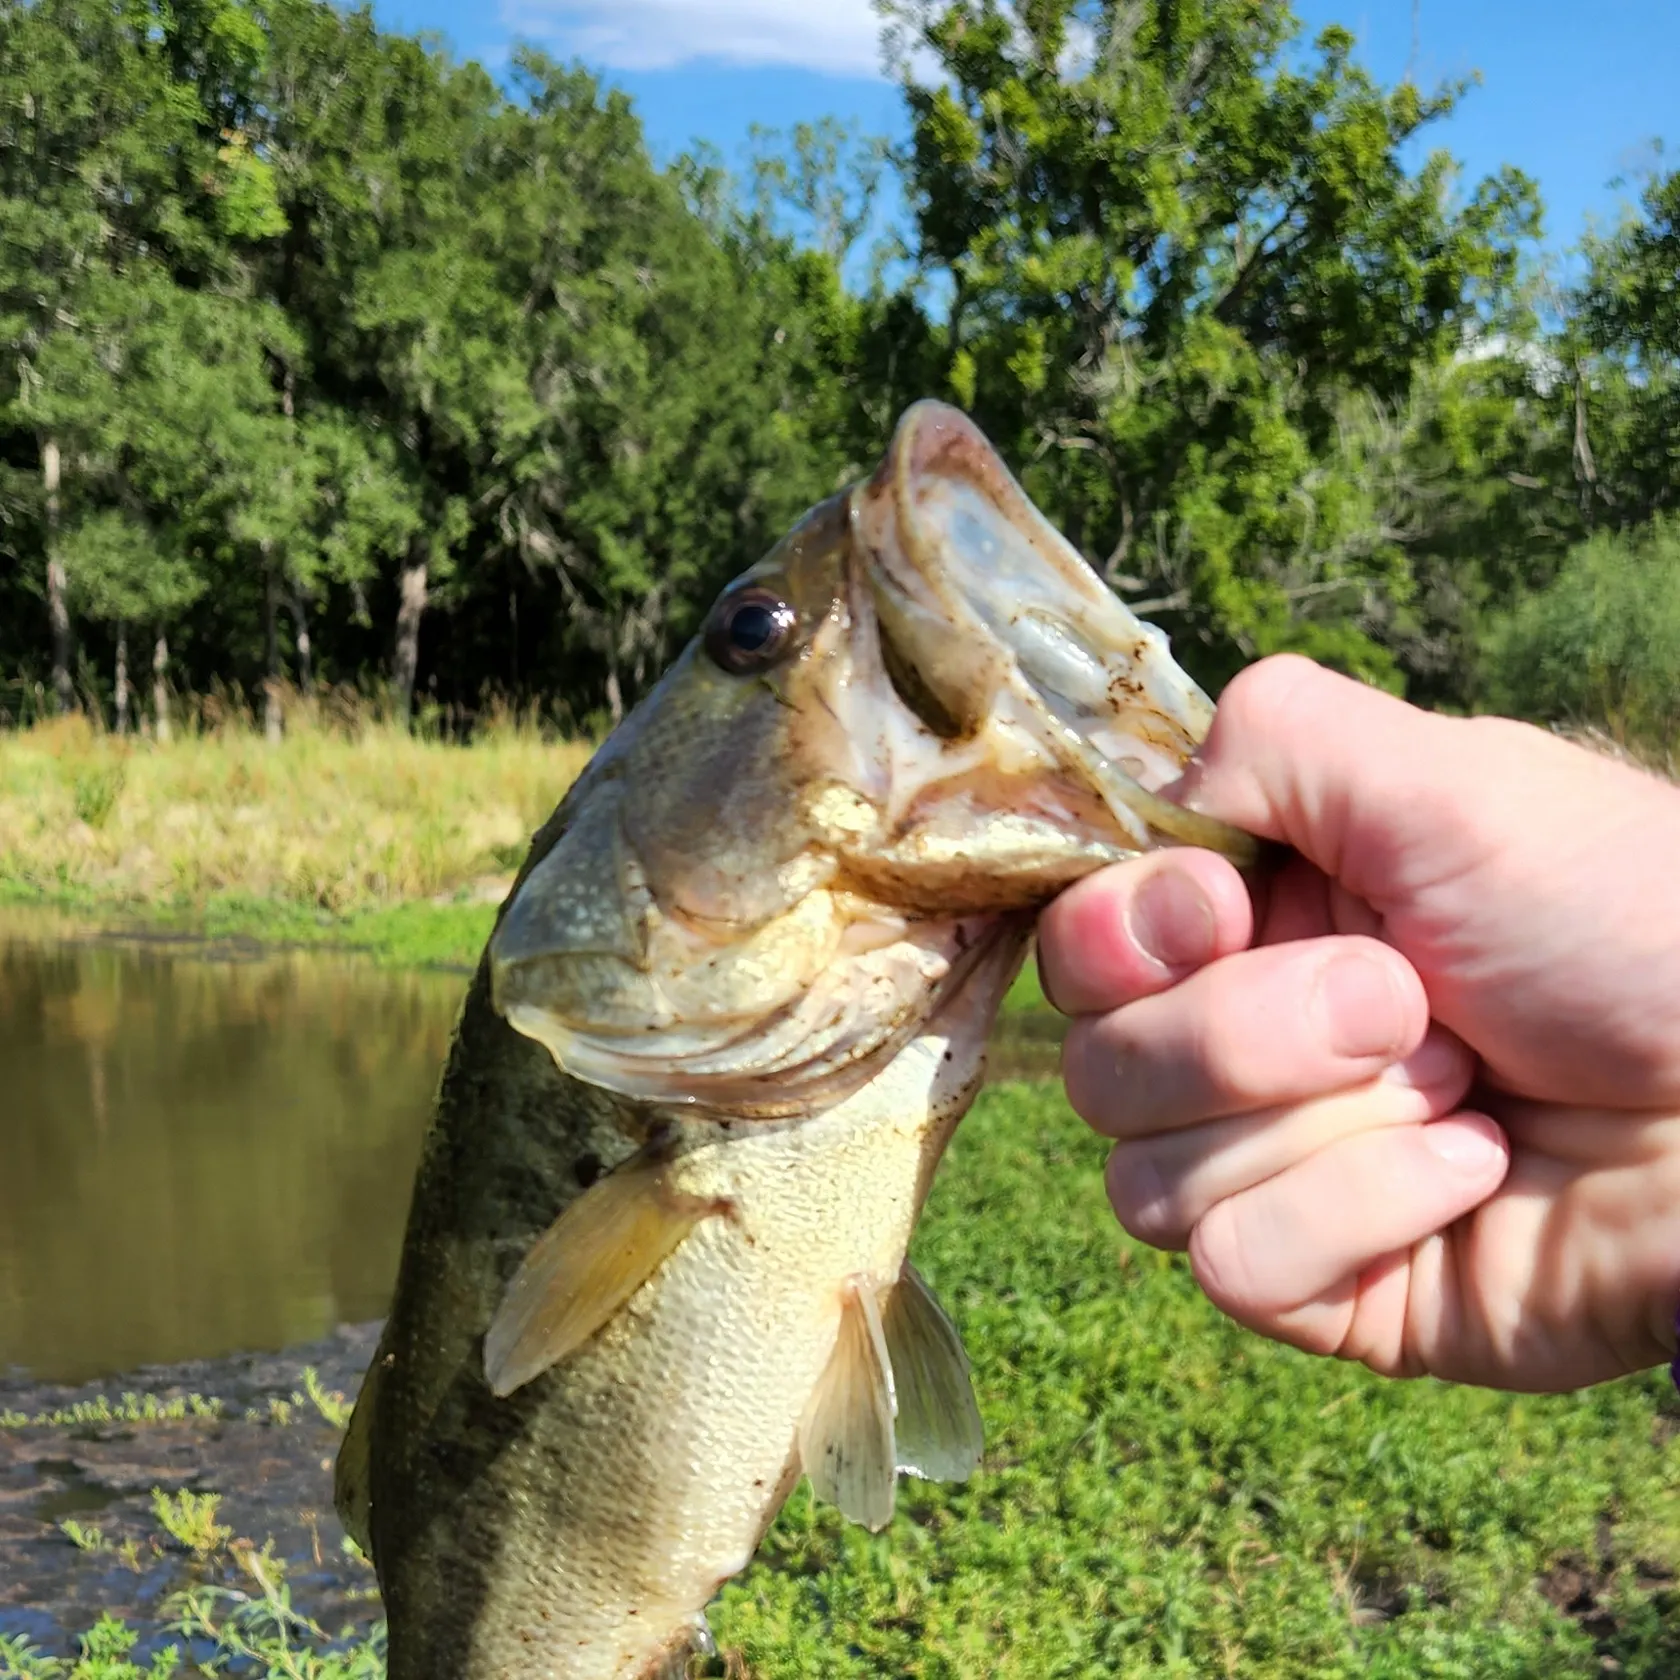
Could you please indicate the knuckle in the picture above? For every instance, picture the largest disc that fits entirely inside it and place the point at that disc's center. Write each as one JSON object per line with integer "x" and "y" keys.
{"x": 1233, "y": 1053}
{"x": 1219, "y": 1261}
{"x": 1141, "y": 1199}
{"x": 1088, "y": 1073}
{"x": 1262, "y": 698}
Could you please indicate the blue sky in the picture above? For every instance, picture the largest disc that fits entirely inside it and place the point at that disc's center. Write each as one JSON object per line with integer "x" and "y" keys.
{"x": 1573, "y": 92}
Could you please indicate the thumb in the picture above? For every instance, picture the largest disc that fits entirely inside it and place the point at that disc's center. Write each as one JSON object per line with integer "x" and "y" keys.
{"x": 1361, "y": 784}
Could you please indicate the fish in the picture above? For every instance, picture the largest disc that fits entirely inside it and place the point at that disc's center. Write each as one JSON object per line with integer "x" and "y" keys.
{"x": 733, "y": 1008}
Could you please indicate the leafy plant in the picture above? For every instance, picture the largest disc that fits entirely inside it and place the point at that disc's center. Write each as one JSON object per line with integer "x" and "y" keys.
{"x": 190, "y": 1520}
{"x": 332, "y": 1406}
{"x": 89, "y": 1538}
{"x": 1601, "y": 643}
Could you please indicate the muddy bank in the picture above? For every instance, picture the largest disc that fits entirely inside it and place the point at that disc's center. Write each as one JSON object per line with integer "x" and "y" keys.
{"x": 243, "y": 1427}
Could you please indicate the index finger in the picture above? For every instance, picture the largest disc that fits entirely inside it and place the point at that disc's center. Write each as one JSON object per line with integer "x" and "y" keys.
{"x": 1138, "y": 927}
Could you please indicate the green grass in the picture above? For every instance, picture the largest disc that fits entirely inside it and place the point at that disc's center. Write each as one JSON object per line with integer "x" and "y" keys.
{"x": 1163, "y": 1495}
{"x": 419, "y": 934}
{"x": 349, "y": 831}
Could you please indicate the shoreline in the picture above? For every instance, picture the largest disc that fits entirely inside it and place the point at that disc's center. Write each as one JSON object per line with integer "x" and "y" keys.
{"x": 446, "y": 935}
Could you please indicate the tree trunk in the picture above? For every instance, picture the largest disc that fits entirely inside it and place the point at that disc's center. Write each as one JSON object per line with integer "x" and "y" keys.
{"x": 58, "y": 608}
{"x": 410, "y": 605}
{"x": 615, "y": 694}
{"x": 122, "y": 677}
{"x": 160, "y": 689}
{"x": 271, "y": 654}
{"x": 306, "y": 669}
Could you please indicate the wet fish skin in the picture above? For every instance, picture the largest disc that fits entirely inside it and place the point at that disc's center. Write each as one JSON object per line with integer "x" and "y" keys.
{"x": 555, "y": 1486}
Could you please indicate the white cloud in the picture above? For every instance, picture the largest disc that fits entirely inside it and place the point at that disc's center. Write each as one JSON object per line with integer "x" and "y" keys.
{"x": 840, "y": 37}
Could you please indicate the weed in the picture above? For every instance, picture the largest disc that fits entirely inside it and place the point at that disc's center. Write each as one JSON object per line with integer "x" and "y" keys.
{"x": 333, "y": 1407}
{"x": 89, "y": 1538}
{"x": 130, "y": 1408}
{"x": 95, "y": 791}
{"x": 105, "y": 1649}
{"x": 336, "y": 821}
{"x": 189, "y": 1519}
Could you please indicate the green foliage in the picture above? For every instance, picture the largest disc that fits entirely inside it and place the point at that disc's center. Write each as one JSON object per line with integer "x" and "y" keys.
{"x": 84, "y": 1537}
{"x": 1180, "y": 254}
{"x": 1600, "y": 644}
{"x": 1162, "y": 1494}
{"x": 131, "y": 1408}
{"x": 105, "y": 1649}
{"x": 189, "y": 1519}
{"x": 250, "y": 1631}
{"x": 96, "y": 791}
{"x": 333, "y": 1407}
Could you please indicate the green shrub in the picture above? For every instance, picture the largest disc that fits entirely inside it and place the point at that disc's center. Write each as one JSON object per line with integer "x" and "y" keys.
{"x": 1601, "y": 644}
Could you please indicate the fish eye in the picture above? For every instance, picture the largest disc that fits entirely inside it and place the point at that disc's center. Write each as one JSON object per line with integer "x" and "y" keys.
{"x": 750, "y": 630}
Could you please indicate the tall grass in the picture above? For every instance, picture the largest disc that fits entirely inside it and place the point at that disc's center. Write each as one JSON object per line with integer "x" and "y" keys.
{"x": 348, "y": 812}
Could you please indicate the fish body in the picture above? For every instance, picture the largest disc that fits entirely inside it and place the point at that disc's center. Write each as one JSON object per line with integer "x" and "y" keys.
{"x": 734, "y": 1008}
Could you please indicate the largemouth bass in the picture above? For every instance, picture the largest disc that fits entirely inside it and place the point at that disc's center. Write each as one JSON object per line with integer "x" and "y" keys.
{"x": 732, "y": 1010}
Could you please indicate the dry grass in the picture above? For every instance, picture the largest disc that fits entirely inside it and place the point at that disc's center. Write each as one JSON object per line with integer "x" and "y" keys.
{"x": 347, "y": 813}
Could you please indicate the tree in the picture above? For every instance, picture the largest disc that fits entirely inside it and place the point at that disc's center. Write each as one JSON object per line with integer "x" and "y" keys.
{"x": 672, "y": 429}
{"x": 1601, "y": 644}
{"x": 1173, "y": 250}
{"x": 1629, "y": 314}
{"x": 394, "y": 295}
{"x": 123, "y": 176}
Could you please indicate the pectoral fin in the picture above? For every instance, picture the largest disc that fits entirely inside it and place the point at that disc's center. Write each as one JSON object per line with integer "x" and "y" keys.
{"x": 938, "y": 1428}
{"x": 584, "y": 1268}
{"x": 352, "y": 1471}
{"x": 846, "y": 1436}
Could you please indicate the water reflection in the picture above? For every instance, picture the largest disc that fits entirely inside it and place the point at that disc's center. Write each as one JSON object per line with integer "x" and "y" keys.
{"x": 203, "y": 1155}
{"x": 198, "y": 1156}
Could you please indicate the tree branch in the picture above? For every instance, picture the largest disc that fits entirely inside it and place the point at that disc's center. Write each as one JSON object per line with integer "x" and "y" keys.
{"x": 1264, "y": 252}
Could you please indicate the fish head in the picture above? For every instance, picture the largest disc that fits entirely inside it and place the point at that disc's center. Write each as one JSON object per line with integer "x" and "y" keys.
{"x": 892, "y": 741}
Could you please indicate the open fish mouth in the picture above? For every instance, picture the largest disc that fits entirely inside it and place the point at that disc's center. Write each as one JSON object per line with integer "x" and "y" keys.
{"x": 988, "y": 618}
{"x": 897, "y": 737}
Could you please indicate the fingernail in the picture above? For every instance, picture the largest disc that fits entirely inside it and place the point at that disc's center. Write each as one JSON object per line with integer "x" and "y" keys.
{"x": 1467, "y": 1141}
{"x": 1437, "y": 1062}
{"x": 1364, "y": 1006}
{"x": 1171, "y": 920}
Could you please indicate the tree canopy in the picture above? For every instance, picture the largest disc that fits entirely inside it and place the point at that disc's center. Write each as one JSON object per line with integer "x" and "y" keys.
{"x": 405, "y": 375}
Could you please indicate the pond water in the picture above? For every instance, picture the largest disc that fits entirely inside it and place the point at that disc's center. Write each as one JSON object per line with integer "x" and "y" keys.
{"x": 202, "y": 1153}
{"x": 205, "y": 1151}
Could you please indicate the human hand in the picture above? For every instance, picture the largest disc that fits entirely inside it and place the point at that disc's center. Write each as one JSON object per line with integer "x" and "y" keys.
{"x": 1418, "y": 1104}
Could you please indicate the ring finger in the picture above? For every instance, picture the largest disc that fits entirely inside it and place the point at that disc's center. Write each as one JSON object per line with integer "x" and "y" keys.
{"x": 1163, "y": 1185}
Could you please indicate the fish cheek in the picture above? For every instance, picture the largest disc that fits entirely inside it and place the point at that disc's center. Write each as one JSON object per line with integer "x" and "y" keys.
{"x": 715, "y": 814}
